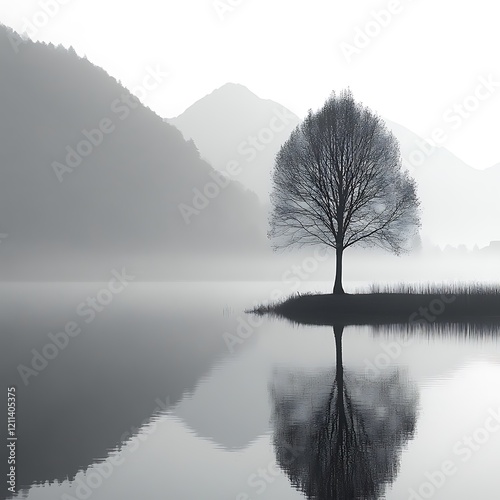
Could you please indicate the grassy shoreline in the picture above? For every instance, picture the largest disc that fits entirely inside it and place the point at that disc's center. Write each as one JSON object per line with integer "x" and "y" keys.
{"x": 405, "y": 305}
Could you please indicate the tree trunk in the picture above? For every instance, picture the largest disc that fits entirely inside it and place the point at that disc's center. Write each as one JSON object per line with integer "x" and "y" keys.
{"x": 337, "y": 288}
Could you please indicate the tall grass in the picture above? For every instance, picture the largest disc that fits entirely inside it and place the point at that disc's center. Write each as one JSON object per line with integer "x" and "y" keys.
{"x": 476, "y": 288}
{"x": 271, "y": 307}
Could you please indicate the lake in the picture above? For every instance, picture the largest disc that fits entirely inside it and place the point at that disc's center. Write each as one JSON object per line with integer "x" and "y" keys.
{"x": 171, "y": 391}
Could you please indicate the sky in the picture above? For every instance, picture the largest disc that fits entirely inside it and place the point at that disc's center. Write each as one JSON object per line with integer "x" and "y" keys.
{"x": 430, "y": 66}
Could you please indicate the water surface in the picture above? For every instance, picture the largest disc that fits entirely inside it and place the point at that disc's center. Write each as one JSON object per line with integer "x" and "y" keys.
{"x": 173, "y": 392}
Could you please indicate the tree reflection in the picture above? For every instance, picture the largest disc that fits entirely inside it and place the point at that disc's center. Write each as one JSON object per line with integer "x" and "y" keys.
{"x": 345, "y": 432}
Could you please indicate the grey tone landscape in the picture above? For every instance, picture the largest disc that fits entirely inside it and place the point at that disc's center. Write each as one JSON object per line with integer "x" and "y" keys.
{"x": 249, "y": 250}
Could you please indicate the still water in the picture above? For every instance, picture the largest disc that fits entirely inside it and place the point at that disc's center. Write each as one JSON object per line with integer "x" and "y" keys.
{"x": 171, "y": 391}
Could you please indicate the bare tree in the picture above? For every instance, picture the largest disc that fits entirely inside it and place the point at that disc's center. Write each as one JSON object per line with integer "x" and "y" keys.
{"x": 338, "y": 181}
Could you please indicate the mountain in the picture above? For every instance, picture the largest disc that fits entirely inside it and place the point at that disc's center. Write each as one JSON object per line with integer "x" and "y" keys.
{"x": 234, "y": 126}
{"x": 91, "y": 179}
{"x": 459, "y": 203}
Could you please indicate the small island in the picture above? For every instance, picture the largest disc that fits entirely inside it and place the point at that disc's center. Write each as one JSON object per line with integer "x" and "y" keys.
{"x": 415, "y": 307}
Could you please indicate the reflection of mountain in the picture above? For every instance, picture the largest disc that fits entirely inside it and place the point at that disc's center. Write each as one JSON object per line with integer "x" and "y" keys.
{"x": 339, "y": 436}
{"x": 229, "y": 406}
{"x": 137, "y": 357}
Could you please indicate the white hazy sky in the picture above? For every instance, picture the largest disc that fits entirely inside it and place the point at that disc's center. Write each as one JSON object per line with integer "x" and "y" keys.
{"x": 417, "y": 63}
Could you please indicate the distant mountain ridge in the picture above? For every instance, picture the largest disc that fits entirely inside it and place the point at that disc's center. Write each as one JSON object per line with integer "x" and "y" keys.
{"x": 232, "y": 125}
{"x": 459, "y": 203}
